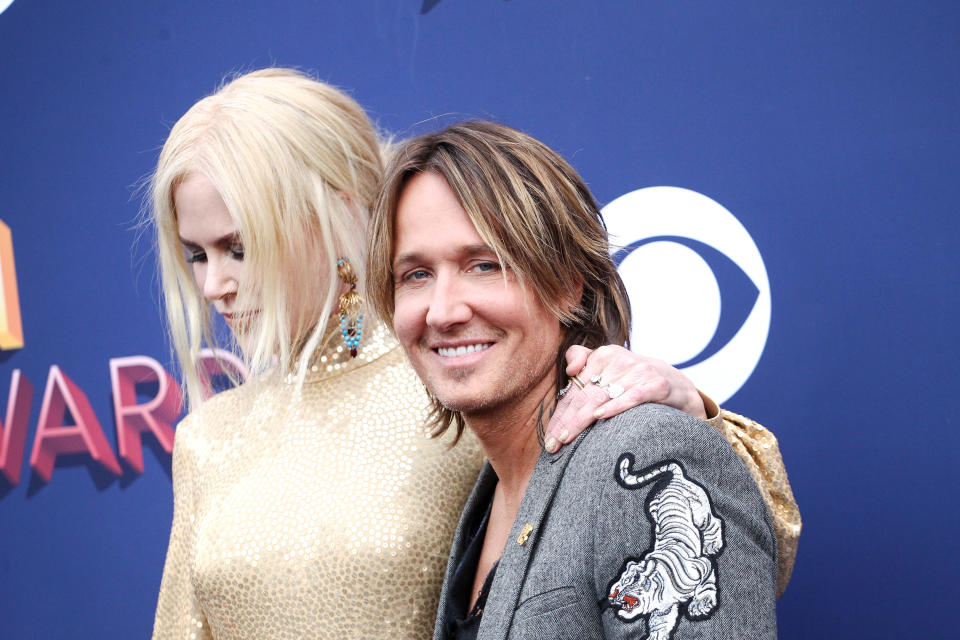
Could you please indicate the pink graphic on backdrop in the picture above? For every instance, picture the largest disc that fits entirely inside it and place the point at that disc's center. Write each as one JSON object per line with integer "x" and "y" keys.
{"x": 156, "y": 416}
{"x": 54, "y": 438}
{"x": 214, "y": 362}
{"x": 13, "y": 433}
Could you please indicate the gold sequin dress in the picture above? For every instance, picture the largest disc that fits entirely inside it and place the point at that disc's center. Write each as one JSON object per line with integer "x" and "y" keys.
{"x": 323, "y": 514}
{"x": 328, "y": 515}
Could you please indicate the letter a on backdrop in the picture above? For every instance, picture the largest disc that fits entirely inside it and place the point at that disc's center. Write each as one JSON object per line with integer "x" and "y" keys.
{"x": 54, "y": 438}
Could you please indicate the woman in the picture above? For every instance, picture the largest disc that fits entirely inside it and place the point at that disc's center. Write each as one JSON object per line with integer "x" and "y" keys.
{"x": 307, "y": 502}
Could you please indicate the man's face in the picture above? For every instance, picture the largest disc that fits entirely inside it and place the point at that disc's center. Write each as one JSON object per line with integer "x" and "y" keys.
{"x": 477, "y": 338}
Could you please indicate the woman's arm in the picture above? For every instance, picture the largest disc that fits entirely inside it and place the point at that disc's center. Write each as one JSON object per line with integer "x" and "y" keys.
{"x": 758, "y": 449}
{"x": 178, "y": 612}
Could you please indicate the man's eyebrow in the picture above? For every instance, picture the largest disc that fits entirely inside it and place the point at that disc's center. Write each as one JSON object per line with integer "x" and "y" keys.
{"x": 406, "y": 258}
{"x": 413, "y": 257}
{"x": 476, "y": 249}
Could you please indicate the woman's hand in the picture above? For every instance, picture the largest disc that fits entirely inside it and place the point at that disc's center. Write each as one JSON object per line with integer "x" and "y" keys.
{"x": 642, "y": 379}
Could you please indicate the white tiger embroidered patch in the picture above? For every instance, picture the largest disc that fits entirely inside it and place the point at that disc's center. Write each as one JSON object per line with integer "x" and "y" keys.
{"x": 680, "y": 569}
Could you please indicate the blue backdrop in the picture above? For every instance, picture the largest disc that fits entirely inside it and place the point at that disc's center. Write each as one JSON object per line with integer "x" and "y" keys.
{"x": 830, "y": 130}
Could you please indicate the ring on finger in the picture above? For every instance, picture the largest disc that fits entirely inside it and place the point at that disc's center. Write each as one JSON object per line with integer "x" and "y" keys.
{"x": 563, "y": 391}
{"x": 597, "y": 379}
{"x": 615, "y": 390}
{"x": 577, "y": 381}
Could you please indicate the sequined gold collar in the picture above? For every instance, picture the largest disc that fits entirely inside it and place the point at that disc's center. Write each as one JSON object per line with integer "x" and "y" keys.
{"x": 335, "y": 360}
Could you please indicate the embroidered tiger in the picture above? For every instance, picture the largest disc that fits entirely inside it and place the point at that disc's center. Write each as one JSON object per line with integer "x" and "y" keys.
{"x": 679, "y": 569}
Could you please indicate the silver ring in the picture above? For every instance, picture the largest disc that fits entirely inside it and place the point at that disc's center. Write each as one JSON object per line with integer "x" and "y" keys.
{"x": 615, "y": 390}
{"x": 597, "y": 379}
{"x": 563, "y": 391}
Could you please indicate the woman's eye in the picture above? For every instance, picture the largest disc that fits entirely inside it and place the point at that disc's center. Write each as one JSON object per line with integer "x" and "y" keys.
{"x": 196, "y": 256}
{"x": 236, "y": 251}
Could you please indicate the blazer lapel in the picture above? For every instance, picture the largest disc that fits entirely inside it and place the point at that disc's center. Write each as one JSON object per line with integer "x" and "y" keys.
{"x": 513, "y": 565}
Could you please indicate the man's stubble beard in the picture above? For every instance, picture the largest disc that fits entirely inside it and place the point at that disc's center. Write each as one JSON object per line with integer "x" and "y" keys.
{"x": 497, "y": 399}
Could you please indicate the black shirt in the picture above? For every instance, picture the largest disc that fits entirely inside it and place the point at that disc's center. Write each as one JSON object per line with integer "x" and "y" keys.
{"x": 460, "y": 624}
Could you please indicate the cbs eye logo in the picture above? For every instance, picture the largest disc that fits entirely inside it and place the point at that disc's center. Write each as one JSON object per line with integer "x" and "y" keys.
{"x": 11, "y": 331}
{"x": 698, "y": 288}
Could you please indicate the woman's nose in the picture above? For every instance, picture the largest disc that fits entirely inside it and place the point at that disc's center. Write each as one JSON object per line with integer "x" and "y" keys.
{"x": 218, "y": 281}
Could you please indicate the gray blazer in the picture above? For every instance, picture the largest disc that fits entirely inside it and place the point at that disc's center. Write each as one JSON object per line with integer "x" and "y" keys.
{"x": 647, "y": 526}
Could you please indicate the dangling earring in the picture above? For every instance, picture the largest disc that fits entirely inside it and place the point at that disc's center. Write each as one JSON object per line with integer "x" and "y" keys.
{"x": 351, "y": 302}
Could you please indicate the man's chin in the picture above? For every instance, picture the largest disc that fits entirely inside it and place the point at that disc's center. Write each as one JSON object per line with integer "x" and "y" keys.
{"x": 459, "y": 404}
{"x": 464, "y": 403}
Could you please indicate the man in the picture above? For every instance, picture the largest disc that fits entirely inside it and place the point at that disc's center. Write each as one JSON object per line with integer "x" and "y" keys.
{"x": 492, "y": 258}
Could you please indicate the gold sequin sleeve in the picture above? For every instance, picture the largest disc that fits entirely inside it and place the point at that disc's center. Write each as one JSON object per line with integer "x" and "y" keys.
{"x": 758, "y": 449}
{"x": 178, "y": 612}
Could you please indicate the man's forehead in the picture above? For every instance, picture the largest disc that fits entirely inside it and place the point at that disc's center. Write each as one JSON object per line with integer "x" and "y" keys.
{"x": 429, "y": 217}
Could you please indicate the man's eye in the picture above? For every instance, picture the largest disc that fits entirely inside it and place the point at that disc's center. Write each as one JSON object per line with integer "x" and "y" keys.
{"x": 486, "y": 267}
{"x": 417, "y": 274}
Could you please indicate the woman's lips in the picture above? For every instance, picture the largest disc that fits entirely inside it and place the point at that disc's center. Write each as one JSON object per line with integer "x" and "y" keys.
{"x": 239, "y": 320}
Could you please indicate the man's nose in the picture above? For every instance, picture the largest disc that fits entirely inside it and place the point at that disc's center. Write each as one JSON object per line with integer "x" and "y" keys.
{"x": 449, "y": 304}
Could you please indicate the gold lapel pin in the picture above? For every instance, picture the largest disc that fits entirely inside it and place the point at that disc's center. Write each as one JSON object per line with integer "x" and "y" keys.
{"x": 524, "y": 534}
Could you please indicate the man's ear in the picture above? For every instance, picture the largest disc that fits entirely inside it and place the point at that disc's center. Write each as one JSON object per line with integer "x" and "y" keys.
{"x": 571, "y": 301}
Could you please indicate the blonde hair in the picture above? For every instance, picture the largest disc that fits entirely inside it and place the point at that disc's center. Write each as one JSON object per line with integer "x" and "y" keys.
{"x": 532, "y": 209}
{"x": 297, "y": 163}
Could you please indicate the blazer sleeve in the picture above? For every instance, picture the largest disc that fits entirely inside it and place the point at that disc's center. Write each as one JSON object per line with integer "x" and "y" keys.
{"x": 179, "y": 614}
{"x": 684, "y": 544}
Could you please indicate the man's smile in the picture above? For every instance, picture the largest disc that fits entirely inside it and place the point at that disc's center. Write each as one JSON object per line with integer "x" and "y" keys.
{"x": 462, "y": 350}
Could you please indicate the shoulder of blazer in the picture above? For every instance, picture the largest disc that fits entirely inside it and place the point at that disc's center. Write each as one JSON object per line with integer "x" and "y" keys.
{"x": 651, "y": 425}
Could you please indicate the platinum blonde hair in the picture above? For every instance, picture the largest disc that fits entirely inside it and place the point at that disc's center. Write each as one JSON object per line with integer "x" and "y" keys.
{"x": 296, "y": 162}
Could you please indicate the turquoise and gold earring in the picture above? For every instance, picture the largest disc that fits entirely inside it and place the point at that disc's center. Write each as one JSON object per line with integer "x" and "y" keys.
{"x": 350, "y": 304}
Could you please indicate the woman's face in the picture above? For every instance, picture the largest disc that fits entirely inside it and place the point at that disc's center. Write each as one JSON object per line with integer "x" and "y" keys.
{"x": 213, "y": 248}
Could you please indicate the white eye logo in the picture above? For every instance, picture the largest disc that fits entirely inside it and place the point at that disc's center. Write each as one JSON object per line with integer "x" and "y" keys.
{"x": 4, "y": 4}
{"x": 674, "y": 248}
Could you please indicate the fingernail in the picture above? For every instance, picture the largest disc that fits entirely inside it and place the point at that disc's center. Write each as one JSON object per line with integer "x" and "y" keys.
{"x": 552, "y": 445}
{"x": 564, "y": 435}
{"x": 598, "y": 414}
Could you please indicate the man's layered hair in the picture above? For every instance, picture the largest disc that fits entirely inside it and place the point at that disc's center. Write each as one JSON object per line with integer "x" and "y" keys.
{"x": 533, "y": 210}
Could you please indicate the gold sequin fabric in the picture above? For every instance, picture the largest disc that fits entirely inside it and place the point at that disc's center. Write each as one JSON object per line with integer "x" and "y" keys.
{"x": 758, "y": 449}
{"x": 320, "y": 512}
